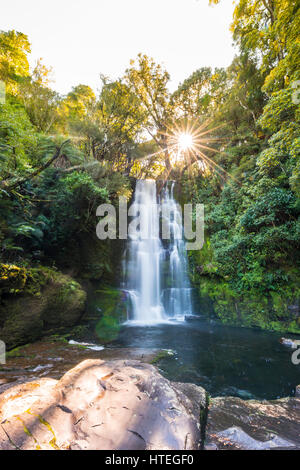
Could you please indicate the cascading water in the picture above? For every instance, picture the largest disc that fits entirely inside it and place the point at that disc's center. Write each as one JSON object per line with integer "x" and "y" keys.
{"x": 155, "y": 270}
{"x": 143, "y": 258}
{"x": 176, "y": 290}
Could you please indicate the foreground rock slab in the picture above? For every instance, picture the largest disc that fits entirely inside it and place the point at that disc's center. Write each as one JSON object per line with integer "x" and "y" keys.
{"x": 109, "y": 405}
{"x": 253, "y": 425}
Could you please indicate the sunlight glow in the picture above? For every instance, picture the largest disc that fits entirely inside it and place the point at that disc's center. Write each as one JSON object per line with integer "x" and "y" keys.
{"x": 188, "y": 144}
{"x": 185, "y": 141}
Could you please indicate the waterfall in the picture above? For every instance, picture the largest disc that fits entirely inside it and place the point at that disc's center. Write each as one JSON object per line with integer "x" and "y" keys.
{"x": 154, "y": 269}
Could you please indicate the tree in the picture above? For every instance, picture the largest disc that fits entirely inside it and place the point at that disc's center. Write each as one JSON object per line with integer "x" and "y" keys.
{"x": 270, "y": 29}
{"x": 244, "y": 99}
{"x": 148, "y": 81}
{"x": 201, "y": 93}
{"x": 122, "y": 119}
{"x": 79, "y": 102}
{"x": 14, "y": 66}
{"x": 280, "y": 160}
{"x": 109, "y": 125}
{"x": 40, "y": 101}
{"x": 18, "y": 140}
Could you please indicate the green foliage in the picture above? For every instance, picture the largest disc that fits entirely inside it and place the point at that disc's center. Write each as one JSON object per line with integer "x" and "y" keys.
{"x": 76, "y": 198}
{"x": 14, "y": 66}
{"x": 201, "y": 93}
{"x": 248, "y": 270}
{"x": 45, "y": 302}
{"x": 17, "y": 140}
{"x": 279, "y": 110}
{"x": 40, "y": 101}
{"x": 270, "y": 29}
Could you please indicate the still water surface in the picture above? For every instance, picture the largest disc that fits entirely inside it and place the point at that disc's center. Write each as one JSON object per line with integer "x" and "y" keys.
{"x": 224, "y": 360}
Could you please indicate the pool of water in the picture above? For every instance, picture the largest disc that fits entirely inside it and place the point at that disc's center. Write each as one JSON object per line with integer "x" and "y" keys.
{"x": 224, "y": 360}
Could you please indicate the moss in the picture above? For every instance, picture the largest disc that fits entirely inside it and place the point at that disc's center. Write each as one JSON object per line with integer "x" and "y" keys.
{"x": 219, "y": 297}
{"x": 56, "y": 338}
{"x": 65, "y": 303}
{"x": 18, "y": 352}
{"x": 49, "y": 302}
{"x": 161, "y": 355}
{"x": 112, "y": 308}
{"x": 12, "y": 278}
{"x": 79, "y": 333}
{"x": 269, "y": 312}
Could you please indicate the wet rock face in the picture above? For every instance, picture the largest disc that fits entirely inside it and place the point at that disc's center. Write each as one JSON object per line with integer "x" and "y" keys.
{"x": 25, "y": 317}
{"x": 101, "y": 405}
{"x": 253, "y": 425}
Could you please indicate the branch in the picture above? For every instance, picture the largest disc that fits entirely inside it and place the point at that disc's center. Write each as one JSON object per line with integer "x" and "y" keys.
{"x": 36, "y": 172}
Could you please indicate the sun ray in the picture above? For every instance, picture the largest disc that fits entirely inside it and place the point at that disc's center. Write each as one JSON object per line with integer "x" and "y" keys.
{"x": 186, "y": 143}
{"x": 208, "y": 148}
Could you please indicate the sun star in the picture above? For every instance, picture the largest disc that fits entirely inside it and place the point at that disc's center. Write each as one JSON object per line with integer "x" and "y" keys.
{"x": 185, "y": 141}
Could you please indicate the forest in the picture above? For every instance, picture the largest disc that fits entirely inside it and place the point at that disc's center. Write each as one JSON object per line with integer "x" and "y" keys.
{"x": 62, "y": 156}
{"x": 150, "y": 343}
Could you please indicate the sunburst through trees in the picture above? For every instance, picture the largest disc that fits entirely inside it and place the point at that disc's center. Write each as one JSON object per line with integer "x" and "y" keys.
{"x": 189, "y": 145}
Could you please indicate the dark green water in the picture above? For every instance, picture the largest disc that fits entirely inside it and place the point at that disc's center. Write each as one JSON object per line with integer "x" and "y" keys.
{"x": 224, "y": 360}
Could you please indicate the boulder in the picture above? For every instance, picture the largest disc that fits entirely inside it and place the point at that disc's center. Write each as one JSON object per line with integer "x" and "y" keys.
{"x": 109, "y": 405}
{"x": 235, "y": 424}
{"x": 49, "y": 302}
{"x": 291, "y": 343}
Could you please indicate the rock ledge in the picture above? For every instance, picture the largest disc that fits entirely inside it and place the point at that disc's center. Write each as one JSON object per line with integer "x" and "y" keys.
{"x": 109, "y": 405}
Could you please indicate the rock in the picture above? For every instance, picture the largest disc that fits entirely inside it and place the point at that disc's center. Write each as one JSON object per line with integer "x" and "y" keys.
{"x": 22, "y": 396}
{"x": 195, "y": 394}
{"x": 295, "y": 309}
{"x": 233, "y": 423}
{"x": 30, "y": 314}
{"x": 108, "y": 405}
{"x": 210, "y": 447}
{"x": 289, "y": 342}
{"x": 193, "y": 317}
{"x": 240, "y": 438}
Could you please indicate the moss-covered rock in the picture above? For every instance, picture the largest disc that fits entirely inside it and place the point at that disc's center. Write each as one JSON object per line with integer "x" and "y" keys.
{"x": 219, "y": 297}
{"x": 277, "y": 311}
{"x": 12, "y": 278}
{"x": 112, "y": 312}
{"x": 47, "y": 301}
